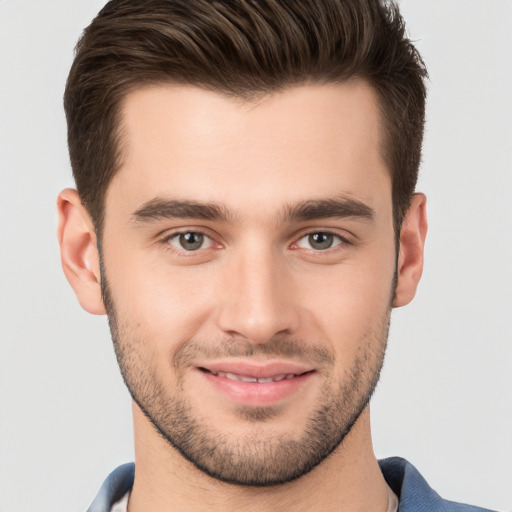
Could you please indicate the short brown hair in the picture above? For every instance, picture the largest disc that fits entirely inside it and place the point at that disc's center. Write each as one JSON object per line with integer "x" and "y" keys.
{"x": 241, "y": 48}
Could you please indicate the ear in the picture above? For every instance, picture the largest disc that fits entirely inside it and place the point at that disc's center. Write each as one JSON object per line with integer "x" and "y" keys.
{"x": 410, "y": 257}
{"x": 78, "y": 250}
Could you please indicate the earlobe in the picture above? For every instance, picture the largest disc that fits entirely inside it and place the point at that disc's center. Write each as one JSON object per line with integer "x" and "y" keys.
{"x": 410, "y": 258}
{"x": 79, "y": 253}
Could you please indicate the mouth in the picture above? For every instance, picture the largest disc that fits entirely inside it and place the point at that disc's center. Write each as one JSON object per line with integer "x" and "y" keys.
{"x": 256, "y": 385}
{"x": 248, "y": 378}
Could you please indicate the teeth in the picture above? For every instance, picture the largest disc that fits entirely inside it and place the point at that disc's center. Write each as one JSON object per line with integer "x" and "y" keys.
{"x": 233, "y": 376}
{"x": 244, "y": 378}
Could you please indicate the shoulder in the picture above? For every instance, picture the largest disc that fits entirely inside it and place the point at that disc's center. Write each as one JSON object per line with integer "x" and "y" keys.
{"x": 117, "y": 484}
{"x": 404, "y": 479}
{"x": 414, "y": 492}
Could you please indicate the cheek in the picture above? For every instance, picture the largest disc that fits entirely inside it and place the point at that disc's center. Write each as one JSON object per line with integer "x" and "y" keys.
{"x": 160, "y": 305}
{"x": 352, "y": 307}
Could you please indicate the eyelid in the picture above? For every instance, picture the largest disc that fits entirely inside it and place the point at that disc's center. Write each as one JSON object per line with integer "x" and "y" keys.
{"x": 173, "y": 233}
{"x": 206, "y": 239}
{"x": 343, "y": 240}
{"x": 164, "y": 238}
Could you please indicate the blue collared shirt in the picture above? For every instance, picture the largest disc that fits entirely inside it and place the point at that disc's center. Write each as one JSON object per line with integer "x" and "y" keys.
{"x": 414, "y": 493}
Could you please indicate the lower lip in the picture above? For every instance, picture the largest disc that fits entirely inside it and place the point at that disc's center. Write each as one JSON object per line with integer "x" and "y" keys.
{"x": 258, "y": 393}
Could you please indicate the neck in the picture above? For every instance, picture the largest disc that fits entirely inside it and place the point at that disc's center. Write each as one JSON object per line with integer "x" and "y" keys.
{"x": 350, "y": 479}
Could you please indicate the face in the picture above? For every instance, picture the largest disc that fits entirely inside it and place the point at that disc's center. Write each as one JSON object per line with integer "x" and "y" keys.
{"x": 248, "y": 263}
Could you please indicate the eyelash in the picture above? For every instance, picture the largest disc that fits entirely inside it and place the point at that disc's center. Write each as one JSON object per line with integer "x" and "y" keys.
{"x": 342, "y": 241}
{"x": 181, "y": 251}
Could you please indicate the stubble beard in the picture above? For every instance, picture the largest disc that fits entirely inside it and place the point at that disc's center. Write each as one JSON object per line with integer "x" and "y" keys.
{"x": 259, "y": 458}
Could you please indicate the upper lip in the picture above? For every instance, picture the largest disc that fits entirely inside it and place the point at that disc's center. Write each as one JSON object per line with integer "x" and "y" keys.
{"x": 262, "y": 369}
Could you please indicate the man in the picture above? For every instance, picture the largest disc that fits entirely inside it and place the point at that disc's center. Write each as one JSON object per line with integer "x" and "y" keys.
{"x": 245, "y": 214}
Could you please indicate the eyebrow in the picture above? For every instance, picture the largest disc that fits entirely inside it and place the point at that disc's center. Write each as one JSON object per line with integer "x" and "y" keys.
{"x": 318, "y": 209}
{"x": 161, "y": 209}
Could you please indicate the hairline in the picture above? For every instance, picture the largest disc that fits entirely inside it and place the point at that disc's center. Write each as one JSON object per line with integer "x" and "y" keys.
{"x": 244, "y": 96}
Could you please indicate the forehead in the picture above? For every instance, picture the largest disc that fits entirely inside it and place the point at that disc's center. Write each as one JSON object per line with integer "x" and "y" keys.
{"x": 297, "y": 144}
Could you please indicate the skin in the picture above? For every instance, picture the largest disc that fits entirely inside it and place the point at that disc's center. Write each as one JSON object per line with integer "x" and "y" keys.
{"x": 256, "y": 281}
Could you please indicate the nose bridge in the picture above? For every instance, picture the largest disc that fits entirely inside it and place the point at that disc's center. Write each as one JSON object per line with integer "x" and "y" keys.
{"x": 257, "y": 304}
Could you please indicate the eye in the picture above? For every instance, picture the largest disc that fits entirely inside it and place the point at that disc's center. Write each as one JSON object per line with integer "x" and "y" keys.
{"x": 190, "y": 241}
{"x": 319, "y": 241}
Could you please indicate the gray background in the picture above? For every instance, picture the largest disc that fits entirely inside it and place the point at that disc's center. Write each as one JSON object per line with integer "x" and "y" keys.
{"x": 445, "y": 399}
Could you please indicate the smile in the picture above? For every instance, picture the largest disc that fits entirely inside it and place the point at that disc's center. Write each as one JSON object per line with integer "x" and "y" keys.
{"x": 256, "y": 385}
{"x": 247, "y": 378}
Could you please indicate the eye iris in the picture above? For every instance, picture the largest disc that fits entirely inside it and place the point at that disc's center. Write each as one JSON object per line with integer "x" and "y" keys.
{"x": 191, "y": 241}
{"x": 320, "y": 240}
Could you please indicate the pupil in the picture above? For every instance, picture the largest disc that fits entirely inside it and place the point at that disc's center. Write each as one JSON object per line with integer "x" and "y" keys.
{"x": 191, "y": 241}
{"x": 321, "y": 240}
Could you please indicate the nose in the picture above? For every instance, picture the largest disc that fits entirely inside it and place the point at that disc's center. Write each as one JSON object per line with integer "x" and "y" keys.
{"x": 256, "y": 302}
